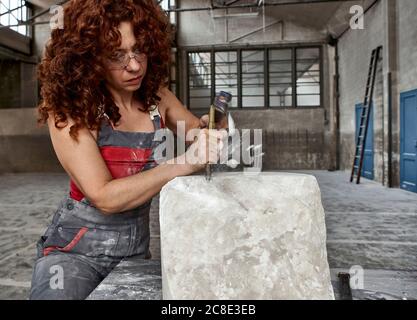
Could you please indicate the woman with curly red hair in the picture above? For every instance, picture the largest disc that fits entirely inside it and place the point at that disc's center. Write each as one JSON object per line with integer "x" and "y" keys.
{"x": 103, "y": 85}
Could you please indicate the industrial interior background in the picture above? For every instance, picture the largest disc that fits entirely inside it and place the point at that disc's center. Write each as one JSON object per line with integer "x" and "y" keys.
{"x": 297, "y": 70}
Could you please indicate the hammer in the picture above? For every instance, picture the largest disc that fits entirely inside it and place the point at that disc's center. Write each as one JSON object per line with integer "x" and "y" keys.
{"x": 218, "y": 112}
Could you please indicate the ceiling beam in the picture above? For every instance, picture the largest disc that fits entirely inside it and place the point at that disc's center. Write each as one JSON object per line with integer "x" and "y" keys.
{"x": 255, "y": 5}
{"x": 44, "y": 4}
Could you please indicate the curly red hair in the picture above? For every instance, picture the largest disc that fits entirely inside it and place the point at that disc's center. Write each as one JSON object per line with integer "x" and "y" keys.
{"x": 72, "y": 72}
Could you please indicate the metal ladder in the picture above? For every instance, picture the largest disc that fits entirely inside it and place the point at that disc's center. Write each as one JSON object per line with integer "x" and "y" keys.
{"x": 364, "y": 120}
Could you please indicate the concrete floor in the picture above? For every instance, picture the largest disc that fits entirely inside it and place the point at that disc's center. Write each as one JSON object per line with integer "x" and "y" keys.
{"x": 372, "y": 227}
{"x": 367, "y": 225}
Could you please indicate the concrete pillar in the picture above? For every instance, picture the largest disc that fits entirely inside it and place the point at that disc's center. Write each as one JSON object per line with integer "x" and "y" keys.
{"x": 391, "y": 72}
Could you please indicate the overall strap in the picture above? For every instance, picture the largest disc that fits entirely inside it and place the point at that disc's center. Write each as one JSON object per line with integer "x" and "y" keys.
{"x": 153, "y": 113}
{"x": 159, "y": 125}
{"x": 105, "y": 130}
{"x": 107, "y": 121}
{"x": 155, "y": 117}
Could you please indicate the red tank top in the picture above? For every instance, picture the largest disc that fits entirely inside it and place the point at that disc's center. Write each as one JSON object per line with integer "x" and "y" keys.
{"x": 125, "y": 153}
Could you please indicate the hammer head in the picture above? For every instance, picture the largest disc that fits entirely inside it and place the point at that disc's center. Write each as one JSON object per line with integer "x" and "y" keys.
{"x": 221, "y": 103}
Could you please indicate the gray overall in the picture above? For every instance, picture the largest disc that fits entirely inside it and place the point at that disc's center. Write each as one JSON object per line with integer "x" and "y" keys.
{"x": 82, "y": 245}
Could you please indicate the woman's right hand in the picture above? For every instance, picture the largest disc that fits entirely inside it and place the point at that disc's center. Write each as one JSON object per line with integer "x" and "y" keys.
{"x": 206, "y": 148}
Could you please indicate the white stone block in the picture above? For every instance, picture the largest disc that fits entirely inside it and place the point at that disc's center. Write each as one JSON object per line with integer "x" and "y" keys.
{"x": 244, "y": 237}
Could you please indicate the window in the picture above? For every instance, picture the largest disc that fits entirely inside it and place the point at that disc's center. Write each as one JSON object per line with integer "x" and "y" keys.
{"x": 173, "y": 70}
{"x": 12, "y": 12}
{"x": 280, "y": 78}
{"x": 257, "y": 78}
{"x": 253, "y": 75}
{"x": 199, "y": 71}
{"x": 308, "y": 77}
{"x": 226, "y": 73}
{"x": 167, "y": 5}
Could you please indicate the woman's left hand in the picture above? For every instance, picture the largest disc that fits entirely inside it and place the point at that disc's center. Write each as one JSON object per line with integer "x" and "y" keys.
{"x": 204, "y": 121}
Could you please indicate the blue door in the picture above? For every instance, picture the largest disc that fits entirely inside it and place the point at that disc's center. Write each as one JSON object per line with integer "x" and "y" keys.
{"x": 368, "y": 161}
{"x": 409, "y": 141}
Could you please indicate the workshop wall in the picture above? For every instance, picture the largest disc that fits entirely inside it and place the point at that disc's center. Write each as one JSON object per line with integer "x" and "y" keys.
{"x": 292, "y": 138}
{"x": 25, "y": 147}
{"x": 355, "y": 49}
{"x": 390, "y": 24}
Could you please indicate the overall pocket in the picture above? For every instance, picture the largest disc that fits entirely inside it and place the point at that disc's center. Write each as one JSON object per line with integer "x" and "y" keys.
{"x": 40, "y": 245}
{"x": 142, "y": 239}
{"x": 92, "y": 242}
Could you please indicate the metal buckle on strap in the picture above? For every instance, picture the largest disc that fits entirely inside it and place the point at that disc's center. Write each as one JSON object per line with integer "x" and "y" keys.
{"x": 154, "y": 112}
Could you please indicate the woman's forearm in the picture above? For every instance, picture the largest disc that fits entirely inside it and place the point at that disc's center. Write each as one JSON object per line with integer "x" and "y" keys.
{"x": 123, "y": 194}
{"x": 127, "y": 193}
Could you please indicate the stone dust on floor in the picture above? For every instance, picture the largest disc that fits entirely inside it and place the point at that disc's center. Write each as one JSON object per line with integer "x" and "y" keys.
{"x": 367, "y": 225}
